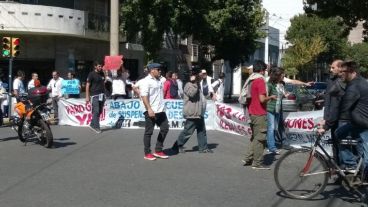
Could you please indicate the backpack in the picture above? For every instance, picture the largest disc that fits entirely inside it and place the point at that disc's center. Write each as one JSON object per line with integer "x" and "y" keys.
{"x": 174, "y": 89}
{"x": 245, "y": 94}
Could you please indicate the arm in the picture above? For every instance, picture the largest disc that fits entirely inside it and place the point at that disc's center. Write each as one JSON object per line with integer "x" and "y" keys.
{"x": 349, "y": 99}
{"x": 265, "y": 99}
{"x": 191, "y": 90}
{"x": 87, "y": 92}
{"x": 144, "y": 92}
{"x": 296, "y": 82}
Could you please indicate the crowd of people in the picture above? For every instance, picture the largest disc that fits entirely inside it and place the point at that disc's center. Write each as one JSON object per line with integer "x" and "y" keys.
{"x": 152, "y": 88}
{"x": 345, "y": 112}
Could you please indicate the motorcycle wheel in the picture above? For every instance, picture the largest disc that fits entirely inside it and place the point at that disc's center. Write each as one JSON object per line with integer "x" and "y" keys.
{"x": 47, "y": 139}
{"x": 20, "y": 131}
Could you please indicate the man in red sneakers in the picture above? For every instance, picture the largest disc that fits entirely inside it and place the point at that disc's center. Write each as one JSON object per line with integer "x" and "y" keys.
{"x": 151, "y": 91}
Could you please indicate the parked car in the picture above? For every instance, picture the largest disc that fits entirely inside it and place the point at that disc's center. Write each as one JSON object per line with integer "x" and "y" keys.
{"x": 317, "y": 88}
{"x": 299, "y": 99}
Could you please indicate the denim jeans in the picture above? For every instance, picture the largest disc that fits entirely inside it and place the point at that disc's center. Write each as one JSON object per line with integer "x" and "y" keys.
{"x": 189, "y": 127}
{"x": 161, "y": 121}
{"x": 346, "y": 155}
{"x": 272, "y": 123}
{"x": 97, "y": 107}
{"x": 362, "y": 147}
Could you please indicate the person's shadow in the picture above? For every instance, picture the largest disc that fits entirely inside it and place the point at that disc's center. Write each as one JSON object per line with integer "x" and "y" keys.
{"x": 8, "y": 139}
{"x": 58, "y": 144}
{"x": 171, "y": 152}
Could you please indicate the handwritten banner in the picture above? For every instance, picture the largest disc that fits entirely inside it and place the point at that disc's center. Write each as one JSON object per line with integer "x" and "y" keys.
{"x": 231, "y": 119}
{"x": 299, "y": 126}
{"x": 70, "y": 87}
{"x": 75, "y": 112}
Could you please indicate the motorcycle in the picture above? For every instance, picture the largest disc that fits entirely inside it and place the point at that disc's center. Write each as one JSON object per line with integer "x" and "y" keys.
{"x": 33, "y": 117}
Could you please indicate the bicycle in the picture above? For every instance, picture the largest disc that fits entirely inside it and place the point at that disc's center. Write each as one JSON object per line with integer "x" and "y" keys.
{"x": 303, "y": 173}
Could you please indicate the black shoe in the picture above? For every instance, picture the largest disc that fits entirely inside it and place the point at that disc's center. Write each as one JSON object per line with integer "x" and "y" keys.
{"x": 97, "y": 130}
{"x": 247, "y": 162}
{"x": 206, "y": 151}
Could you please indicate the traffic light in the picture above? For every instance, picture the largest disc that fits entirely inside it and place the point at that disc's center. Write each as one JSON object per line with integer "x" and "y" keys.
{"x": 6, "y": 48}
{"x": 15, "y": 46}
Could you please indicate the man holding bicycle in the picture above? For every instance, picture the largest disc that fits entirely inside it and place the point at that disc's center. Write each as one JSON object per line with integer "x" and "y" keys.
{"x": 354, "y": 109}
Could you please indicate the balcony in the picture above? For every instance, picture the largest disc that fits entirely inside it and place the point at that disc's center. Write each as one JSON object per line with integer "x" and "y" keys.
{"x": 37, "y": 19}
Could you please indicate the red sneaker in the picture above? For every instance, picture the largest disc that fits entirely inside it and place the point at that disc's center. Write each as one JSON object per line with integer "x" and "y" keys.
{"x": 149, "y": 157}
{"x": 161, "y": 155}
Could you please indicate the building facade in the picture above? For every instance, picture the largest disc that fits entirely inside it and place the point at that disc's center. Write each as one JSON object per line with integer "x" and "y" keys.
{"x": 68, "y": 35}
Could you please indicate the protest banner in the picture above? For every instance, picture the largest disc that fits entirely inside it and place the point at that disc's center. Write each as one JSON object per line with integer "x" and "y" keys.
{"x": 75, "y": 112}
{"x": 231, "y": 119}
{"x": 113, "y": 62}
{"x": 70, "y": 86}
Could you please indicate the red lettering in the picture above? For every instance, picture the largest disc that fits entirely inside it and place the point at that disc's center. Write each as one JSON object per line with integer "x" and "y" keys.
{"x": 311, "y": 123}
{"x": 81, "y": 119}
{"x": 304, "y": 122}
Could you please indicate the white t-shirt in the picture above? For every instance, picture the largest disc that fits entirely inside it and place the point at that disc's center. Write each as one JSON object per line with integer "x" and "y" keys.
{"x": 18, "y": 85}
{"x": 118, "y": 86}
{"x": 154, "y": 90}
{"x": 30, "y": 84}
{"x": 55, "y": 86}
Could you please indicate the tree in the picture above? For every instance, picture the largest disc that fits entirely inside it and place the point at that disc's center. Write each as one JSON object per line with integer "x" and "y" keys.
{"x": 358, "y": 53}
{"x": 351, "y": 11}
{"x": 331, "y": 31}
{"x": 302, "y": 54}
{"x": 230, "y": 25}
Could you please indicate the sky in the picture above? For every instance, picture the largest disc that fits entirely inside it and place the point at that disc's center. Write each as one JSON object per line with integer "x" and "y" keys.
{"x": 281, "y": 11}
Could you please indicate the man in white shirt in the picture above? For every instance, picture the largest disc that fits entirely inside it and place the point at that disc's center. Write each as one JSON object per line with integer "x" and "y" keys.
{"x": 218, "y": 87}
{"x": 151, "y": 92}
{"x": 55, "y": 87}
{"x": 18, "y": 87}
{"x": 31, "y": 82}
{"x": 206, "y": 86}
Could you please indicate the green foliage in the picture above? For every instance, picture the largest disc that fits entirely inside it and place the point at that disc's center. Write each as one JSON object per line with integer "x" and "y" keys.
{"x": 350, "y": 11}
{"x": 302, "y": 54}
{"x": 230, "y": 25}
{"x": 331, "y": 31}
{"x": 358, "y": 53}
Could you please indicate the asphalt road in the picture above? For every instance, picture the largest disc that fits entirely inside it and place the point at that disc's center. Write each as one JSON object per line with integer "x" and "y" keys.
{"x": 94, "y": 170}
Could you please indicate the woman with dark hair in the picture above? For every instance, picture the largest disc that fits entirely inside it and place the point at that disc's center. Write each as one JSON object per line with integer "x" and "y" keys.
{"x": 275, "y": 87}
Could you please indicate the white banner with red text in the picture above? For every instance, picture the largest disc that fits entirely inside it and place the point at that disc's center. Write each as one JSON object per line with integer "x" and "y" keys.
{"x": 75, "y": 112}
{"x": 300, "y": 127}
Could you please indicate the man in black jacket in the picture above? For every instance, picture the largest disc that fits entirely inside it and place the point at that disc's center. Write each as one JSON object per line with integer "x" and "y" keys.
{"x": 354, "y": 108}
{"x": 334, "y": 92}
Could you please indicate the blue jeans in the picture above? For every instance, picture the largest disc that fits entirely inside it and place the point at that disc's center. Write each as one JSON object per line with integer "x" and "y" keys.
{"x": 346, "y": 156}
{"x": 272, "y": 121}
{"x": 189, "y": 127}
{"x": 362, "y": 146}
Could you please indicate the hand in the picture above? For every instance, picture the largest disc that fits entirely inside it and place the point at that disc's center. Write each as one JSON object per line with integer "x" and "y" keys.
{"x": 321, "y": 131}
{"x": 151, "y": 113}
{"x": 274, "y": 97}
{"x": 322, "y": 122}
{"x": 87, "y": 99}
{"x": 214, "y": 97}
{"x": 192, "y": 78}
{"x": 309, "y": 83}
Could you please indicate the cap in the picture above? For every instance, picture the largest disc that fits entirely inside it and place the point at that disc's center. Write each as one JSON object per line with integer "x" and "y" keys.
{"x": 203, "y": 71}
{"x": 154, "y": 65}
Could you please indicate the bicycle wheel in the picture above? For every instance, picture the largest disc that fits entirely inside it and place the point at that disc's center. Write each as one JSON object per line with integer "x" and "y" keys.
{"x": 295, "y": 183}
